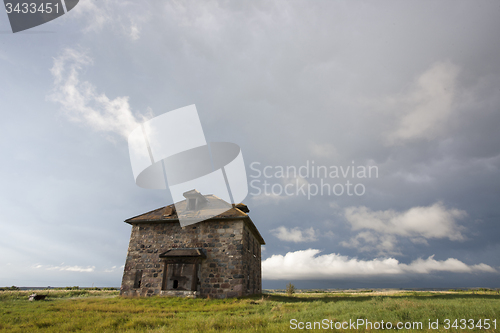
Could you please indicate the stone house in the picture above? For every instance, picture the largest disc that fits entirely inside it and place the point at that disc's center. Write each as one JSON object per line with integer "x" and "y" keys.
{"x": 219, "y": 257}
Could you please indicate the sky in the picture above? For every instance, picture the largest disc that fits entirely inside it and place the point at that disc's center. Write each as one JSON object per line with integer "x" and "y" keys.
{"x": 369, "y": 134}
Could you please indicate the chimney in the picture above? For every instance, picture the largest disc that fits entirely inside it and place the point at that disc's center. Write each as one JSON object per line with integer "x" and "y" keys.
{"x": 195, "y": 200}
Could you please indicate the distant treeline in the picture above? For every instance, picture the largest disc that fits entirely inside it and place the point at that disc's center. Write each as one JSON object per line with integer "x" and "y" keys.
{"x": 9, "y": 288}
{"x": 84, "y": 288}
{"x": 333, "y": 291}
{"x": 57, "y": 288}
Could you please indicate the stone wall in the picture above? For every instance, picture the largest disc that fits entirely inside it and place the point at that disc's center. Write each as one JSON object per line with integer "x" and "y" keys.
{"x": 232, "y": 267}
{"x": 251, "y": 263}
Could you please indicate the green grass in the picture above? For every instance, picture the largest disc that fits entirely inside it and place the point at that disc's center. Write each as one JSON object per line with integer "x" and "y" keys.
{"x": 54, "y": 294}
{"x": 103, "y": 311}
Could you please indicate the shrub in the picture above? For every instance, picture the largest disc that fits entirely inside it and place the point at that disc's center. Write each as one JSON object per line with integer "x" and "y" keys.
{"x": 290, "y": 289}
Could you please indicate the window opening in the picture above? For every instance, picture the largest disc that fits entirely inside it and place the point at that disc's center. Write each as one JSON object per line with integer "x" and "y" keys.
{"x": 138, "y": 279}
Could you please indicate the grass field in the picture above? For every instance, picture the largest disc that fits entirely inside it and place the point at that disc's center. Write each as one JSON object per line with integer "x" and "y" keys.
{"x": 104, "y": 311}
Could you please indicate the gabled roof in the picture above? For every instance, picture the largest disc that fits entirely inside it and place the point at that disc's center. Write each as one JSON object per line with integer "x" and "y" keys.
{"x": 169, "y": 214}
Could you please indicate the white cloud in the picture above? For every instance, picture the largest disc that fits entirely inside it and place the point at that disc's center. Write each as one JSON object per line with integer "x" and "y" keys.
{"x": 323, "y": 150}
{"x": 263, "y": 199}
{"x": 381, "y": 228}
{"x": 429, "y": 222}
{"x": 307, "y": 265}
{"x": 423, "y": 112}
{"x": 134, "y": 31}
{"x": 124, "y": 16}
{"x": 96, "y": 12}
{"x": 77, "y": 268}
{"x": 295, "y": 235}
{"x": 110, "y": 270}
{"x": 368, "y": 241}
{"x": 63, "y": 267}
{"x": 82, "y": 103}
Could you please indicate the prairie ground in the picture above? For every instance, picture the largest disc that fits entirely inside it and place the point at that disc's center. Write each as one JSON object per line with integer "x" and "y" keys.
{"x": 105, "y": 311}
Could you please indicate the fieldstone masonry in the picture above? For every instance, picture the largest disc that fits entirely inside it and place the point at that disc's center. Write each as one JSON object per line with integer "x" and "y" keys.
{"x": 228, "y": 263}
